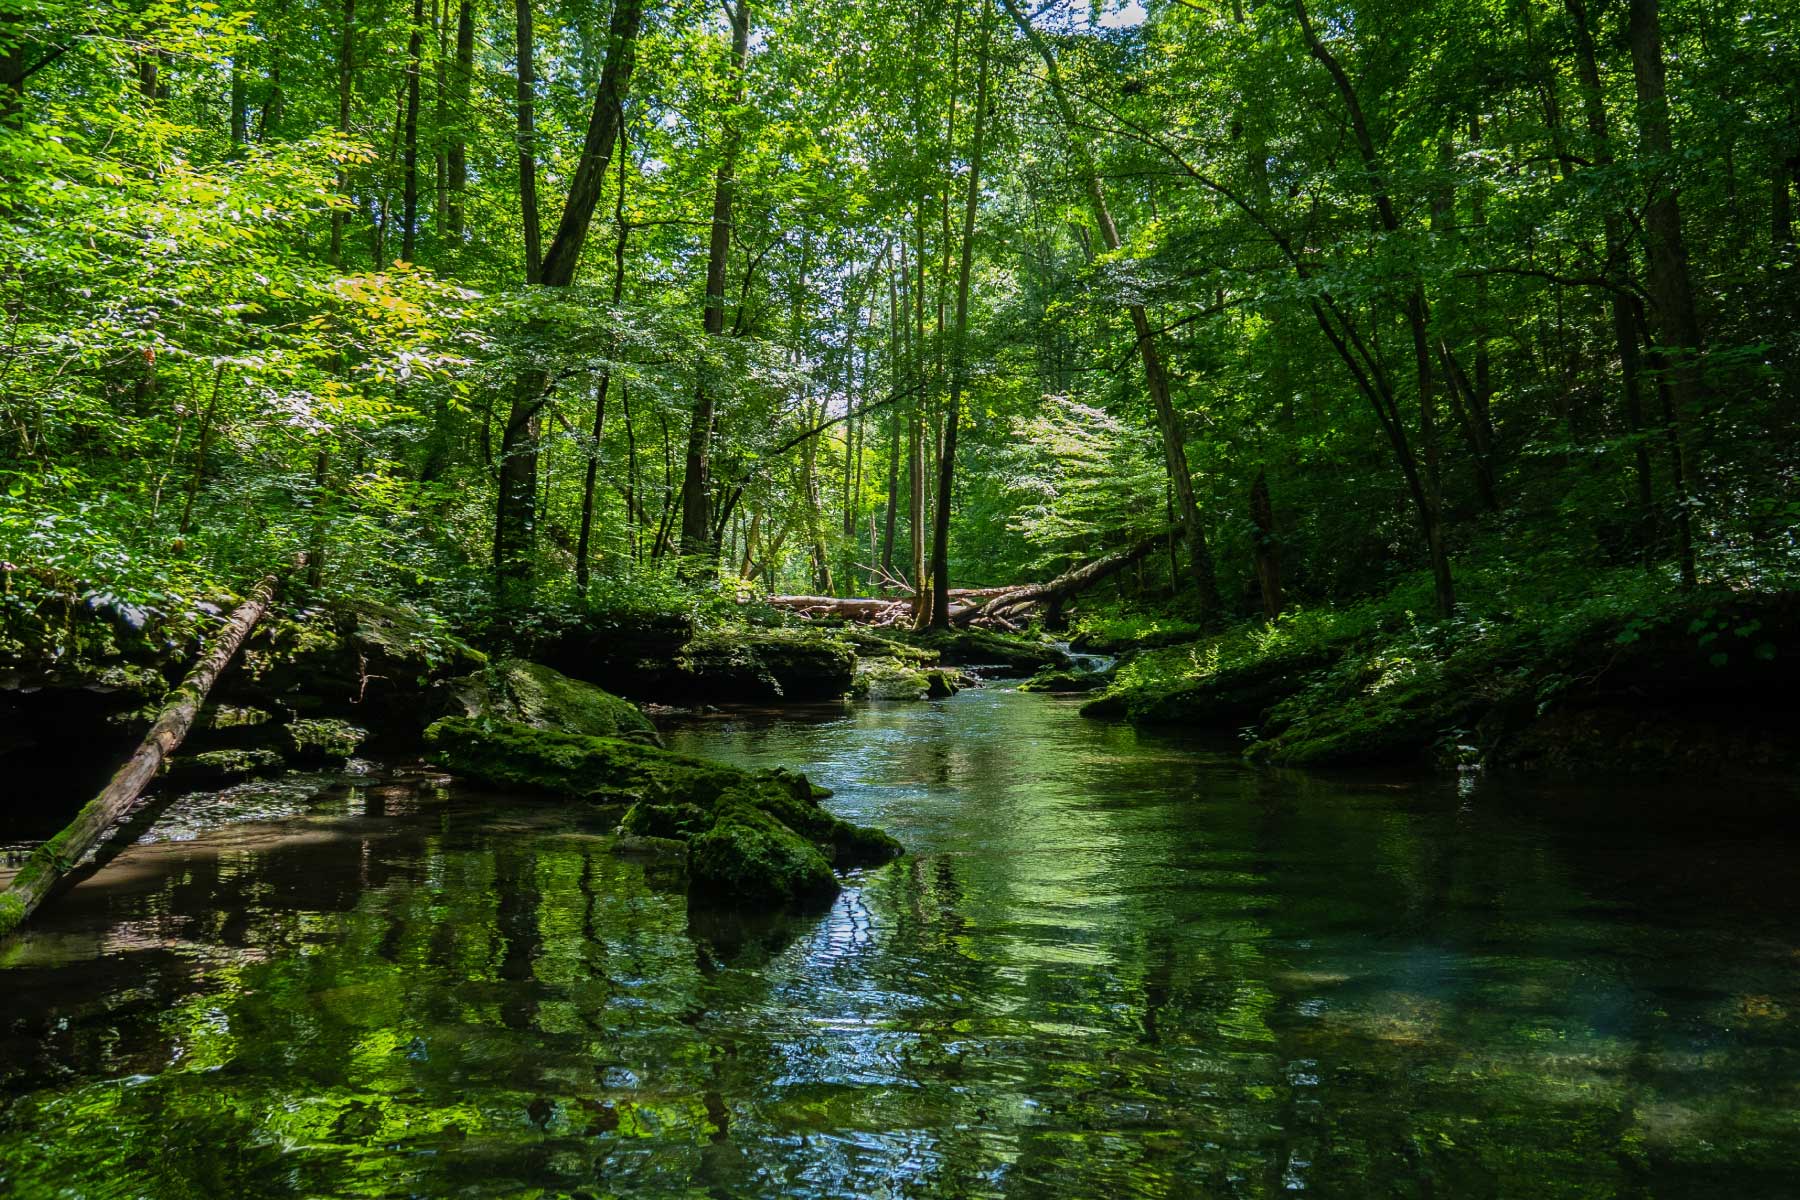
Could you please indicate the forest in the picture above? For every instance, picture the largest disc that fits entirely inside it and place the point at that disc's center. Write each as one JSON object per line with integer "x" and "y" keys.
{"x": 530, "y": 397}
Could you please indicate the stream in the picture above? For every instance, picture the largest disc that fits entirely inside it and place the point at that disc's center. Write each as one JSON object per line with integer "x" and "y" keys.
{"x": 1114, "y": 964}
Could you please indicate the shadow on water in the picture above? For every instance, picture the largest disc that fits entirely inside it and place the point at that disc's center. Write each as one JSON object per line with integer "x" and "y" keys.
{"x": 1114, "y": 965}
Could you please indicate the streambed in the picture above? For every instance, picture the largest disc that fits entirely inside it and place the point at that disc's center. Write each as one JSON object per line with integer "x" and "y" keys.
{"x": 1114, "y": 964}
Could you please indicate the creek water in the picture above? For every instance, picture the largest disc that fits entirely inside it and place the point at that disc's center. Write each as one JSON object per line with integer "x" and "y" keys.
{"x": 1114, "y": 964}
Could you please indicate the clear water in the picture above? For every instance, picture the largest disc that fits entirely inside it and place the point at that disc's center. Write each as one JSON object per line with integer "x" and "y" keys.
{"x": 1114, "y": 965}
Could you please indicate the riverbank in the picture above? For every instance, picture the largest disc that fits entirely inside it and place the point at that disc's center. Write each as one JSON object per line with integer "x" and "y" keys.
{"x": 1630, "y": 677}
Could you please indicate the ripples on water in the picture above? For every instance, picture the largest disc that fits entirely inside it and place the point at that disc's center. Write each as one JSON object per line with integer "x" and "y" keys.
{"x": 1113, "y": 966}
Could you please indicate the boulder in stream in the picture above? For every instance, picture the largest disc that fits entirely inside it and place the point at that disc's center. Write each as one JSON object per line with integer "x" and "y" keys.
{"x": 759, "y": 836}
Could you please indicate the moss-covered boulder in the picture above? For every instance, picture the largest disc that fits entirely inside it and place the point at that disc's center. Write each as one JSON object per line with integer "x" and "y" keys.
{"x": 365, "y": 663}
{"x": 752, "y": 835}
{"x": 528, "y": 693}
{"x": 1066, "y": 681}
{"x": 997, "y": 653}
{"x": 893, "y": 679}
{"x": 764, "y": 664}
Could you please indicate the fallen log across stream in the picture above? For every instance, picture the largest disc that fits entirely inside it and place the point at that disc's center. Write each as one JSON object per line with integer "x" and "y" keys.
{"x": 990, "y": 606}
{"x": 53, "y": 861}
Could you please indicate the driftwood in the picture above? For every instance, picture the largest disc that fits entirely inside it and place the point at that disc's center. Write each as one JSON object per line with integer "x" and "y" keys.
{"x": 51, "y": 862}
{"x": 997, "y": 607}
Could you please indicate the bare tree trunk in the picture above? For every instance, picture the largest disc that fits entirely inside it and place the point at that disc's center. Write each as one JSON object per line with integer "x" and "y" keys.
{"x": 1426, "y": 487}
{"x": 1264, "y": 547}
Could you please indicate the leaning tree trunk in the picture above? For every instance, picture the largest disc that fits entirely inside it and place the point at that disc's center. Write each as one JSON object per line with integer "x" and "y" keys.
{"x": 517, "y": 493}
{"x": 1156, "y": 379}
{"x": 53, "y": 860}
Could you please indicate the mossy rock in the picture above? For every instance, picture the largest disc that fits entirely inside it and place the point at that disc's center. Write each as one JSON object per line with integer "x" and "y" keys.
{"x": 997, "y": 652}
{"x": 1066, "y": 681}
{"x": 892, "y": 679}
{"x": 323, "y": 739}
{"x": 759, "y": 835}
{"x": 366, "y": 662}
{"x": 531, "y": 694}
{"x": 216, "y": 717}
{"x": 765, "y": 664}
{"x": 218, "y": 766}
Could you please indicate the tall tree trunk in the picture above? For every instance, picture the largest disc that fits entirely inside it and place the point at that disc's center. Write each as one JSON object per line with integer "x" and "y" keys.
{"x": 462, "y": 74}
{"x": 1616, "y": 270}
{"x": 696, "y": 511}
{"x": 1264, "y": 547}
{"x": 593, "y": 459}
{"x": 959, "y": 353}
{"x": 1675, "y": 317}
{"x": 409, "y": 235}
{"x": 1200, "y": 563}
{"x": 513, "y": 530}
{"x": 346, "y": 86}
{"x": 527, "y": 123}
{"x": 1427, "y": 490}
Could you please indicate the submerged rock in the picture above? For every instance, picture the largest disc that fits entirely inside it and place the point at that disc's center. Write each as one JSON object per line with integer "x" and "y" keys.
{"x": 751, "y": 835}
{"x": 528, "y": 693}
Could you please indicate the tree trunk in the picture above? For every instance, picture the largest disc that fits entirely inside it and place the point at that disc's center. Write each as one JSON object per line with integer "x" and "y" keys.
{"x": 409, "y": 235}
{"x": 462, "y": 74}
{"x": 1587, "y": 67}
{"x": 696, "y": 511}
{"x": 1200, "y": 563}
{"x": 53, "y": 860}
{"x": 593, "y": 458}
{"x": 1675, "y": 317}
{"x": 959, "y": 356}
{"x": 1424, "y": 477}
{"x": 346, "y": 85}
{"x": 527, "y": 123}
{"x": 1263, "y": 546}
{"x": 513, "y": 531}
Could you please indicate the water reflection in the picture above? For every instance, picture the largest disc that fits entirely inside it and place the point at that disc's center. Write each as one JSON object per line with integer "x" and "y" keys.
{"x": 1114, "y": 966}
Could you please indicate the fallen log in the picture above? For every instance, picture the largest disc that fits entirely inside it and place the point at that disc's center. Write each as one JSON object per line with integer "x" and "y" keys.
{"x": 56, "y": 858}
{"x": 1011, "y": 604}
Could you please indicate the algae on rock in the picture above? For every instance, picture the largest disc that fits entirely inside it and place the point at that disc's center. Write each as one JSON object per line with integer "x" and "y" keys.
{"x": 759, "y": 835}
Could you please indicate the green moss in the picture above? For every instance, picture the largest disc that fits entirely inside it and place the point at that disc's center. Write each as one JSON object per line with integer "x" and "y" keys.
{"x": 322, "y": 740}
{"x": 219, "y": 765}
{"x": 12, "y": 913}
{"x": 531, "y": 694}
{"x": 1066, "y": 681}
{"x": 889, "y": 679}
{"x": 232, "y": 716}
{"x": 748, "y": 854}
{"x": 751, "y": 825}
